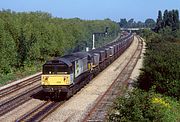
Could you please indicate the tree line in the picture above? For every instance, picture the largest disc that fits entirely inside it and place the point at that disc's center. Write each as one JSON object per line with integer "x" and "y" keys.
{"x": 168, "y": 19}
{"x": 30, "y": 38}
{"x": 149, "y": 23}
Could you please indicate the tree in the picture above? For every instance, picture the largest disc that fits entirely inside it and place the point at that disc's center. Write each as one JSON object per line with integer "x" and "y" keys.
{"x": 175, "y": 26}
{"x": 159, "y": 21}
{"x": 131, "y": 23}
{"x": 165, "y": 18}
{"x": 150, "y": 23}
{"x": 170, "y": 19}
{"x": 123, "y": 23}
{"x": 22, "y": 49}
{"x": 7, "y": 50}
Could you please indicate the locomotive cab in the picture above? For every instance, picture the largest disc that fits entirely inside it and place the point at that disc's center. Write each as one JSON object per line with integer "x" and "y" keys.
{"x": 57, "y": 73}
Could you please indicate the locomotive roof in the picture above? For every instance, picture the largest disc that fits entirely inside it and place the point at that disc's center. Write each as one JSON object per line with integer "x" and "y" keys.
{"x": 75, "y": 56}
{"x": 81, "y": 54}
{"x": 59, "y": 61}
{"x": 68, "y": 59}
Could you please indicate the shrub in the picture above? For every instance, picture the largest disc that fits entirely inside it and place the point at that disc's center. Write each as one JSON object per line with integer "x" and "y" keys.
{"x": 161, "y": 67}
{"x": 144, "y": 106}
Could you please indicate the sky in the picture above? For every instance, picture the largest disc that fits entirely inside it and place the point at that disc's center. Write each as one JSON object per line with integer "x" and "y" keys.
{"x": 140, "y": 10}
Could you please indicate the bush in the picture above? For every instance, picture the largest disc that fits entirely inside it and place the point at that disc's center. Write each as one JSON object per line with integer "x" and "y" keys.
{"x": 161, "y": 67}
{"x": 145, "y": 106}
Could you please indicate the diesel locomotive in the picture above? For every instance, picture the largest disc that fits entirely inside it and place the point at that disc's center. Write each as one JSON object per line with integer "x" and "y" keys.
{"x": 69, "y": 73}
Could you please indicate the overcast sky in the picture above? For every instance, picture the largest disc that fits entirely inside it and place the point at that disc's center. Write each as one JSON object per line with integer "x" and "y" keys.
{"x": 94, "y": 9}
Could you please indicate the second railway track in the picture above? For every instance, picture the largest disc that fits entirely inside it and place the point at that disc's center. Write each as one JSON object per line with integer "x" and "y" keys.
{"x": 15, "y": 87}
{"x": 40, "y": 112}
{"x": 14, "y": 102}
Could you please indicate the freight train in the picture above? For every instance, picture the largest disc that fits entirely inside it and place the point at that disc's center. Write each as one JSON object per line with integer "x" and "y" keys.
{"x": 69, "y": 73}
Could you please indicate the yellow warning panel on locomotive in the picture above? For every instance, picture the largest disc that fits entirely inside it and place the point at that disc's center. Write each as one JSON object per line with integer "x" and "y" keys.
{"x": 55, "y": 79}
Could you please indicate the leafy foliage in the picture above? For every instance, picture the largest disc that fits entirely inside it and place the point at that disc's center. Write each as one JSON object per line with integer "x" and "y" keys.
{"x": 162, "y": 66}
{"x": 27, "y": 39}
{"x": 140, "y": 106}
{"x": 149, "y": 23}
{"x": 169, "y": 19}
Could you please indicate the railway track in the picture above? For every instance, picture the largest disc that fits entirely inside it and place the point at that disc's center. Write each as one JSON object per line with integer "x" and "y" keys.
{"x": 14, "y": 102}
{"x": 99, "y": 110}
{"x": 13, "y": 88}
{"x": 40, "y": 112}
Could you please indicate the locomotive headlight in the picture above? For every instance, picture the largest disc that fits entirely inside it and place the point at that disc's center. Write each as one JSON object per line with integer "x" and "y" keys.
{"x": 66, "y": 80}
{"x": 44, "y": 80}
